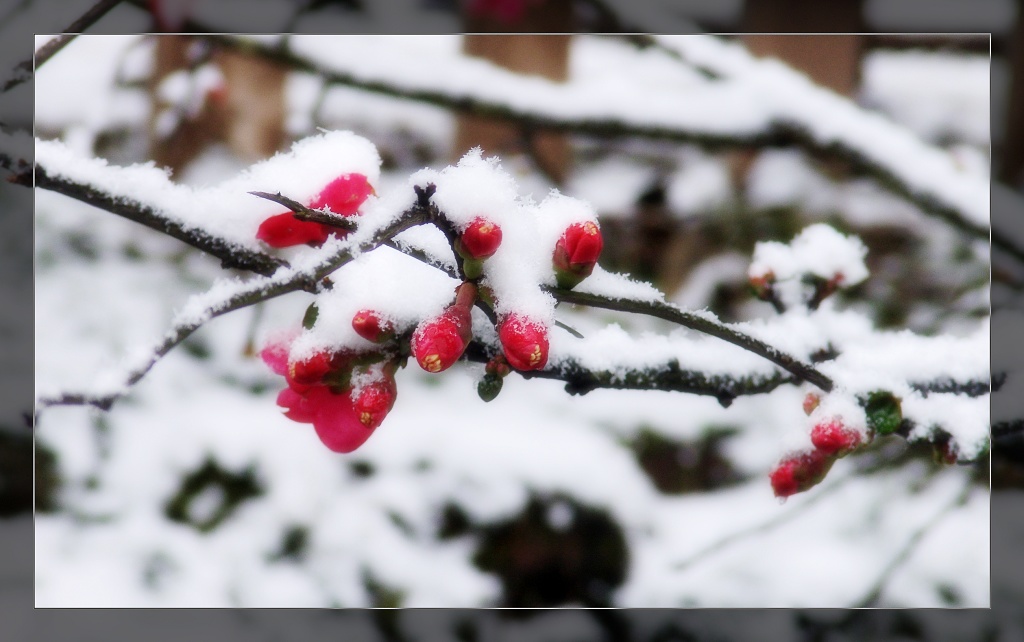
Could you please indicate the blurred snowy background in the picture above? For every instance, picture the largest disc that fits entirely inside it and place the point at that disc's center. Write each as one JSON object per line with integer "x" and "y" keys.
{"x": 195, "y": 491}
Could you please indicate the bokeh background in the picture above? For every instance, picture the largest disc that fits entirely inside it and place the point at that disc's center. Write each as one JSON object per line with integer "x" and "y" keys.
{"x": 935, "y": 85}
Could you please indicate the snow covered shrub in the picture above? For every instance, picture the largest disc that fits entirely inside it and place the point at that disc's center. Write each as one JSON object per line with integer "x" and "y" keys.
{"x": 625, "y": 440}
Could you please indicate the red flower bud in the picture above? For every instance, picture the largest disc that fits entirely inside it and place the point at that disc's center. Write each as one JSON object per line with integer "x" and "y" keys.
{"x": 497, "y": 366}
{"x": 833, "y": 438}
{"x": 375, "y": 401}
{"x": 799, "y": 472}
{"x": 439, "y": 342}
{"x": 811, "y": 402}
{"x": 576, "y": 253}
{"x": 762, "y": 285}
{"x": 333, "y": 416}
{"x": 284, "y": 230}
{"x": 275, "y": 353}
{"x": 524, "y": 342}
{"x": 309, "y": 371}
{"x": 480, "y": 240}
{"x": 370, "y": 326}
{"x": 344, "y": 194}
{"x": 336, "y": 421}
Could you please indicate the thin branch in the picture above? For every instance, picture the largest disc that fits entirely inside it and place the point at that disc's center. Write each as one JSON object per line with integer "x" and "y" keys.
{"x": 873, "y": 595}
{"x": 304, "y": 213}
{"x": 668, "y": 377}
{"x": 669, "y": 312}
{"x": 778, "y": 133}
{"x": 259, "y": 289}
{"x": 230, "y": 254}
{"x": 757, "y": 529}
{"x": 24, "y": 70}
{"x": 970, "y": 388}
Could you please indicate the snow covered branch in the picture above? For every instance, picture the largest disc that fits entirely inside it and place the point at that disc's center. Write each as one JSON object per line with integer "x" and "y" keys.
{"x": 798, "y": 114}
{"x": 230, "y": 254}
{"x": 23, "y": 71}
{"x": 229, "y": 296}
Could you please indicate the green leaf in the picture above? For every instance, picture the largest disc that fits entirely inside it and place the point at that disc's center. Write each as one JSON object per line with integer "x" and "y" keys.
{"x": 883, "y": 412}
{"x": 489, "y": 387}
{"x": 308, "y": 319}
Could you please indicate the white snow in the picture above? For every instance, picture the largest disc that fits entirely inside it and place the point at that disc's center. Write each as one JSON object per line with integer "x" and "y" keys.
{"x": 99, "y": 309}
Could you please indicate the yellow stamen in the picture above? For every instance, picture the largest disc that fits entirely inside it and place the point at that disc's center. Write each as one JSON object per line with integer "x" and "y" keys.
{"x": 366, "y": 418}
{"x": 535, "y": 356}
{"x": 431, "y": 363}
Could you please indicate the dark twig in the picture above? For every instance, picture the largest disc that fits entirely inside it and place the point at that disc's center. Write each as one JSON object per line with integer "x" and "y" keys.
{"x": 230, "y": 254}
{"x": 307, "y": 213}
{"x": 24, "y": 70}
{"x": 668, "y": 312}
{"x": 260, "y": 289}
{"x": 874, "y": 594}
{"x": 780, "y": 133}
{"x": 668, "y": 377}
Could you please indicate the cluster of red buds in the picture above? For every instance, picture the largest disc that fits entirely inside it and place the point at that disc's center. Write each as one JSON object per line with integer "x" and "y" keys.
{"x": 803, "y": 470}
{"x": 345, "y": 395}
{"x": 342, "y": 196}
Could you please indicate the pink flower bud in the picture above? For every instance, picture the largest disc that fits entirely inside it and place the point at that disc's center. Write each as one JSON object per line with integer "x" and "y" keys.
{"x": 336, "y": 421}
{"x": 370, "y": 326}
{"x": 799, "y": 472}
{"x": 375, "y": 401}
{"x": 524, "y": 342}
{"x": 275, "y": 353}
{"x": 309, "y": 371}
{"x": 833, "y": 438}
{"x": 811, "y": 402}
{"x": 480, "y": 240}
{"x": 284, "y": 230}
{"x": 576, "y": 253}
{"x": 439, "y": 342}
{"x": 344, "y": 194}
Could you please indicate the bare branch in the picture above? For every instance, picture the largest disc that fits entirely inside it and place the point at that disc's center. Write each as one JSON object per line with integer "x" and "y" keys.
{"x": 778, "y": 133}
{"x": 669, "y": 312}
{"x": 257, "y": 290}
{"x": 24, "y": 70}
{"x": 874, "y": 594}
{"x": 230, "y": 254}
{"x": 304, "y": 213}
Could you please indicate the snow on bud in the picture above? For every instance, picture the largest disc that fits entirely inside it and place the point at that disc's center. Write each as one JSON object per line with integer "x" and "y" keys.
{"x": 372, "y": 327}
{"x": 374, "y": 401}
{"x": 344, "y": 194}
{"x": 284, "y": 230}
{"x": 799, "y": 472}
{"x": 311, "y": 370}
{"x": 439, "y": 342}
{"x": 479, "y": 240}
{"x": 524, "y": 342}
{"x": 833, "y": 438}
{"x": 576, "y": 253}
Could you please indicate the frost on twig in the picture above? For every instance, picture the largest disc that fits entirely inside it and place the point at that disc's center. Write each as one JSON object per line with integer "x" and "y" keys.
{"x": 800, "y": 115}
{"x": 856, "y": 363}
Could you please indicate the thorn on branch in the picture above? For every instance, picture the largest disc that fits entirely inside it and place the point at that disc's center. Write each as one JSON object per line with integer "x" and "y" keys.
{"x": 423, "y": 194}
{"x": 304, "y": 213}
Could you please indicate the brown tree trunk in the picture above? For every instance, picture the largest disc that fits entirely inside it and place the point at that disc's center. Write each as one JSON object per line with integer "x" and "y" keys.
{"x": 247, "y": 114}
{"x": 542, "y": 50}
